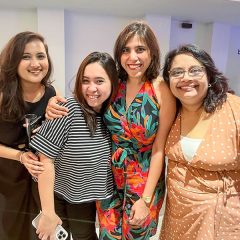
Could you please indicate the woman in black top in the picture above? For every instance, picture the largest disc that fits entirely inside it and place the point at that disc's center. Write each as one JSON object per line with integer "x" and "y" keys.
{"x": 25, "y": 69}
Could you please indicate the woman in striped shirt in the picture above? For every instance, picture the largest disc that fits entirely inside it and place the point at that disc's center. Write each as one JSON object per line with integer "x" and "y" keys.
{"x": 76, "y": 153}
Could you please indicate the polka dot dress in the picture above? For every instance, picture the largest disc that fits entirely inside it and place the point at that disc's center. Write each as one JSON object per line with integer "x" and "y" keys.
{"x": 203, "y": 200}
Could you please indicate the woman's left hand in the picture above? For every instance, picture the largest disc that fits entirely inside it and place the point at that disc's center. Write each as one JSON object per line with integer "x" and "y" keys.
{"x": 32, "y": 163}
{"x": 139, "y": 213}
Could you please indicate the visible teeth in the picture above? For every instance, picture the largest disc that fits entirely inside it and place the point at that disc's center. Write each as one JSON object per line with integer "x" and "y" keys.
{"x": 134, "y": 66}
{"x": 187, "y": 88}
{"x": 35, "y": 72}
{"x": 92, "y": 97}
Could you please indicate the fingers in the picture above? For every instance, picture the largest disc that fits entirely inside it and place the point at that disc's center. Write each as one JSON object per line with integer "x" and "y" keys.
{"x": 35, "y": 166}
{"x": 52, "y": 237}
{"x": 52, "y": 113}
{"x": 32, "y": 163}
{"x": 54, "y": 110}
{"x": 60, "y": 99}
{"x": 39, "y": 233}
{"x": 44, "y": 236}
{"x": 31, "y": 156}
{"x": 131, "y": 214}
{"x": 36, "y": 129}
{"x": 47, "y": 226}
{"x": 138, "y": 214}
{"x": 34, "y": 171}
{"x": 137, "y": 220}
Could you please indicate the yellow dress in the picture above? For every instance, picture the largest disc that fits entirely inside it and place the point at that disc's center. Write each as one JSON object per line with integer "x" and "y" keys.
{"x": 203, "y": 201}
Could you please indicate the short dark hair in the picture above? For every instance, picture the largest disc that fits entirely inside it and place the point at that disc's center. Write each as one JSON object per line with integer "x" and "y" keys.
{"x": 12, "y": 105}
{"x": 108, "y": 64}
{"x": 217, "y": 92}
{"x": 145, "y": 33}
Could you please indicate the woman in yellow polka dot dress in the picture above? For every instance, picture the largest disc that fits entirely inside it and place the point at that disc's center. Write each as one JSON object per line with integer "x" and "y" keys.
{"x": 203, "y": 149}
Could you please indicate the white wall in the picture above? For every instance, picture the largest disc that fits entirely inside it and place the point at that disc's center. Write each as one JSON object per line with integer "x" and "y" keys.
{"x": 220, "y": 45}
{"x": 14, "y": 21}
{"x": 181, "y": 35}
{"x": 200, "y": 34}
{"x": 85, "y": 34}
{"x": 203, "y": 36}
{"x": 161, "y": 26}
{"x": 51, "y": 26}
{"x": 73, "y": 35}
{"x": 233, "y": 64}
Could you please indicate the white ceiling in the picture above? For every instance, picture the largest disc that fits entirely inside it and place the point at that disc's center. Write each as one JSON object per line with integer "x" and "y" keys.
{"x": 223, "y": 11}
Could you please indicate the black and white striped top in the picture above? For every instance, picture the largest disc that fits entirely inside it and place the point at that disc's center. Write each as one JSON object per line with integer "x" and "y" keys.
{"x": 82, "y": 163}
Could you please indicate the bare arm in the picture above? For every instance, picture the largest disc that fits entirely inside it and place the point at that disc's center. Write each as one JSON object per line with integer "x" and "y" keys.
{"x": 28, "y": 159}
{"x": 48, "y": 220}
{"x": 54, "y": 110}
{"x": 166, "y": 117}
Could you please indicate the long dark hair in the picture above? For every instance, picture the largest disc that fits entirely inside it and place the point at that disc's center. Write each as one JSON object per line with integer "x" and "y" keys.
{"x": 12, "y": 106}
{"x": 145, "y": 33}
{"x": 218, "y": 83}
{"x": 108, "y": 64}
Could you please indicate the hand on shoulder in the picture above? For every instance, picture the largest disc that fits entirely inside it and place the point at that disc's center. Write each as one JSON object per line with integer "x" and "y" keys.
{"x": 54, "y": 110}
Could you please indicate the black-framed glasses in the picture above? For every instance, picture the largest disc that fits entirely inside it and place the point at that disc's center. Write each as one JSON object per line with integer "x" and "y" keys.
{"x": 196, "y": 72}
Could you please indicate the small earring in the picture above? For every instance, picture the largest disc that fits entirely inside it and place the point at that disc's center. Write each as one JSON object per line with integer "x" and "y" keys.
{"x": 209, "y": 85}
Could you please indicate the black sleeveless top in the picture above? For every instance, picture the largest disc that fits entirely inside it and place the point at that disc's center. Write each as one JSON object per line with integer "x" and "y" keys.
{"x": 13, "y": 134}
{"x": 19, "y": 199}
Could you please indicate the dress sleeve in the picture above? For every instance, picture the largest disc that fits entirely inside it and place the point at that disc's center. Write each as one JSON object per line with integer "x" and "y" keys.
{"x": 52, "y": 136}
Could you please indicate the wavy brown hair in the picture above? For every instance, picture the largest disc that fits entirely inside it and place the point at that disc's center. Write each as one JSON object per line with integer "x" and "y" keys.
{"x": 12, "y": 106}
{"x": 218, "y": 83}
{"x": 108, "y": 64}
{"x": 145, "y": 33}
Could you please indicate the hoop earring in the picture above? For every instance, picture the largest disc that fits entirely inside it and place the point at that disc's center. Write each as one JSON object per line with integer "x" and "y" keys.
{"x": 209, "y": 85}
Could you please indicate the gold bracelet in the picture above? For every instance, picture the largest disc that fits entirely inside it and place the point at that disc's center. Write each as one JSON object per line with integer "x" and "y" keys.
{"x": 20, "y": 158}
{"x": 147, "y": 200}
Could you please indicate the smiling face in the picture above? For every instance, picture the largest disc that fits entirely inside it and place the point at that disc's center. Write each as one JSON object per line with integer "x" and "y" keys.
{"x": 34, "y": 65}
{"x": 190, "y": 90}
{"x": 135, "y": 58}
{"x": 96, "y": 86}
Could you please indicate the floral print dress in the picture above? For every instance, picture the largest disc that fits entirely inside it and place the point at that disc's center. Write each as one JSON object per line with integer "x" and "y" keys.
{"x": 133, "y": 133}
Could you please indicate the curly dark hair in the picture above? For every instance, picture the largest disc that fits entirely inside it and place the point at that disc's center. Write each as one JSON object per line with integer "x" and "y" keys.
{"x": 145, "y": 33}
{"x": 218, "y": 83}
{"x": 12, "y": 106}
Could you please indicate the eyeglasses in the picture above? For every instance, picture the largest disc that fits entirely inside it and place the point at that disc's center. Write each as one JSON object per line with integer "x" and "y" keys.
{"x": 196, "y": 72}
